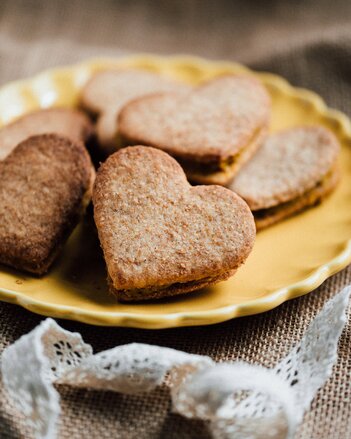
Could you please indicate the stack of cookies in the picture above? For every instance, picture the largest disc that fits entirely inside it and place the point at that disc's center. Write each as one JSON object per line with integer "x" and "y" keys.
{"x": 46, "y": 184}
{"x": 187, "y": 176}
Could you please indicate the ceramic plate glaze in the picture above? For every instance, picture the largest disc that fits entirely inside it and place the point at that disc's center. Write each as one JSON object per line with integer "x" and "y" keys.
{"x": 288, "y": 260}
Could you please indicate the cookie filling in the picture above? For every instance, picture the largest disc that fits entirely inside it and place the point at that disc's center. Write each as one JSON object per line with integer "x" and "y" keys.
{"x": 174, "y": 289}
{"x": 224, "y": 170}
{"x": 266, "y": 217}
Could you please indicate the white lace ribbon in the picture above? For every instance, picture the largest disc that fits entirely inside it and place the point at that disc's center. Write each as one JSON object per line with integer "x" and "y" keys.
{"x": 238, "y": 399}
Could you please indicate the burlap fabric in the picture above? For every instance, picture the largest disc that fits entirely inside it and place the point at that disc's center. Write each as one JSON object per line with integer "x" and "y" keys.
{"x": 307, "y": 42}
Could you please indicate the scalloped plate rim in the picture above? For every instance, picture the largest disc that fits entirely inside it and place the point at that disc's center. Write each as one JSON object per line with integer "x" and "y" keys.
{"x": 191, "y": 318}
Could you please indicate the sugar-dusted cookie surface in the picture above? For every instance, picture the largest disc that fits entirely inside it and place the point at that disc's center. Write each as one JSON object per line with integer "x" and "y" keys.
{"x": 106, "y": 92}
{"x": 45, "y": 185}
{"x": 161, "y": 236}
{"x": 67, "y": 122}
{"x": 292, "y": 170}
{"x": 212, "y": 130}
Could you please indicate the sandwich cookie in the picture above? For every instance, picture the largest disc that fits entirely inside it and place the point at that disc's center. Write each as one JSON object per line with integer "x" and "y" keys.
{"x": 212, "y": 130}
{"x": 45, "y": 186}
{"x": 294, "y": 169}
{"x": 160, "y": 236}
{"x": 67, "y": 122}
{"x": 106, "y": 92}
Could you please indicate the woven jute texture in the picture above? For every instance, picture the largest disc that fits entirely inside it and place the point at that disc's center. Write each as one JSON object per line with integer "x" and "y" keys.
{"x": 307, "y": 42}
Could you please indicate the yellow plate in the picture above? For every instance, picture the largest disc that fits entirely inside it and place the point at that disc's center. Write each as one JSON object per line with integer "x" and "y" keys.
{"x": 288, "y": 260}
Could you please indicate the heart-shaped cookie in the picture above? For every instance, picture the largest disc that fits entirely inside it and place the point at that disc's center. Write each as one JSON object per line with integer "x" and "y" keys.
{"x": 293, "y": 169}
{"x": 63, "y": 121}
{"x": 211, "y": 131}
{"x": 45, "y": 186}
{"x": 106, "y": 92}
{"x": 161, "y": 236}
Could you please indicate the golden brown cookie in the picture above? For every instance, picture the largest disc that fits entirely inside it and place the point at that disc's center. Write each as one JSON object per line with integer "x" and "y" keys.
{"x": 45, "y": 186}
{"x": 292, "y": 170}
{"x": 106, "y": 93}
{"x": 212, "y": 130}
{"x": 161, "y": 236}
{"x": 67, "y": 122}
